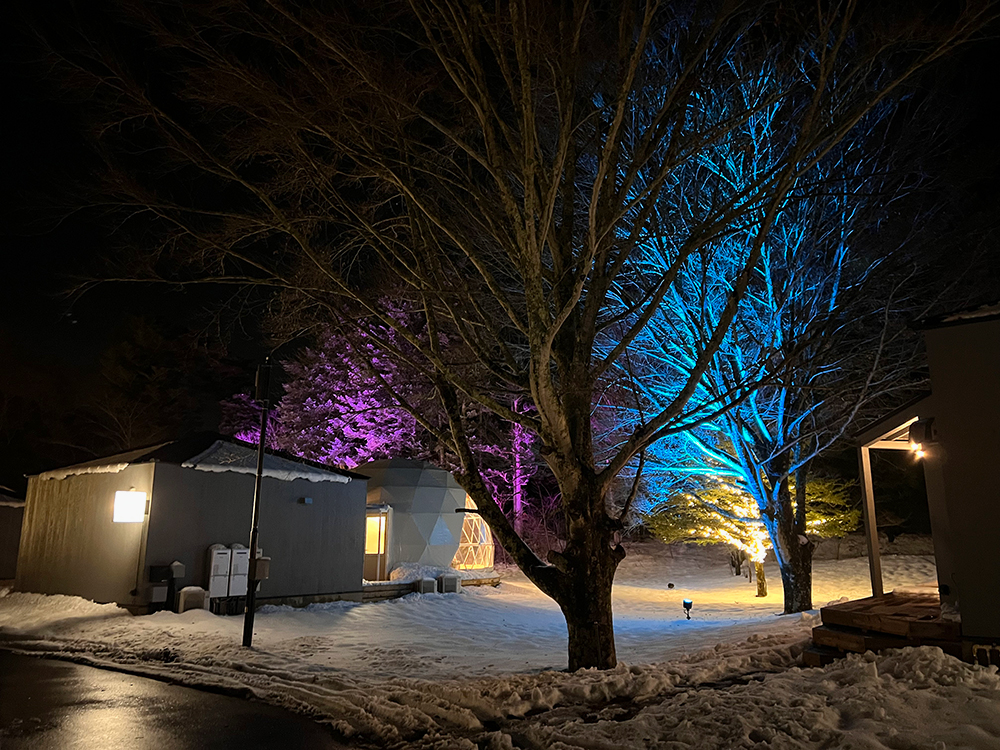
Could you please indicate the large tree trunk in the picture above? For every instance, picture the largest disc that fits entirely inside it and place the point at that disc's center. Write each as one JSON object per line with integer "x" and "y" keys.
{"x": 579, "y": 578}
{"x": 587, "y": 568}
{"x": 794, "y": 553}
{"x": 796, "y": 576}
{"x": 792, "y": 548}
{"x": 586, "y": 604}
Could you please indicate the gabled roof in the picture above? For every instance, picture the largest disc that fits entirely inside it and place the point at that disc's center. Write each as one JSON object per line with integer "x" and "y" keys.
{"x": 892, "y": 430}
{"x": 7, "y": 499}
{"x": 210, "y": 451}
{"x": 979, "y": 314}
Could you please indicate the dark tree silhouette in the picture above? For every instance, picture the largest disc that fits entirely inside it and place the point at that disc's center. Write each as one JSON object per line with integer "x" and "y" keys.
{"x": 495, "y": 167}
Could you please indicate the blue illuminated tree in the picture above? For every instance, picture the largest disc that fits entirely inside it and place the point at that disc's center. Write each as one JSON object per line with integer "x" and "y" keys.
{"x": 808, "y": 346}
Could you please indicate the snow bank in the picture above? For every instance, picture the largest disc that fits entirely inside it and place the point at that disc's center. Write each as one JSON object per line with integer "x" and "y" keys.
{"x": 22, "y": 613}
{"x": 915, "y": 698}
{"x": 481, "y": 666}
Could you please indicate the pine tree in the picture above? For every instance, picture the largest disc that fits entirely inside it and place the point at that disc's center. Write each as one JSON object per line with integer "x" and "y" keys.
{"x": 716, "y": 511}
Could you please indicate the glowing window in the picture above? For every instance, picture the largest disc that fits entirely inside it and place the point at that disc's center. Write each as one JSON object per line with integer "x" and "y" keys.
{"x": 475, "y": 550}
{"x": 130, "y": 506}
{"x": 375, "y": 535}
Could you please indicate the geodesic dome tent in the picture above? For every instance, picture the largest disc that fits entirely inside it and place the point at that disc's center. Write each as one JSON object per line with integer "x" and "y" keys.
{"x": 423, "y": 526}
{"x": 475, "y": 549}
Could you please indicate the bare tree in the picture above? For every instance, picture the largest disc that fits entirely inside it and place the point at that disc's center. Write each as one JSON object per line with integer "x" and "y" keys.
{"x": 819, "y": 338}
{"x": 496, "y": 166}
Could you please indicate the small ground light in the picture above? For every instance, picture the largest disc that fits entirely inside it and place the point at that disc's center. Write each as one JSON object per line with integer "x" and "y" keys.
{"x": 687, "y": 607}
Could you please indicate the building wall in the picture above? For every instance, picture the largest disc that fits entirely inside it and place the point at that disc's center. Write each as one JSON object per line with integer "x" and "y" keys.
{"x": 315, "y": 549}
{"x": 944, "y": 542}
{"x": 11, "y": 517}
{"x": 965, "y": 378}
{"x": 69, "y": 543}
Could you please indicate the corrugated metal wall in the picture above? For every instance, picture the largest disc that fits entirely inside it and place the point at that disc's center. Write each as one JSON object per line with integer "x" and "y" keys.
{"x": 69, "y": 543}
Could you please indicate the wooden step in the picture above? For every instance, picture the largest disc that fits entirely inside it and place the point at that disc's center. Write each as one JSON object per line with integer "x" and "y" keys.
{"x": 858, "y": 642}
{"x": 909, "y": 615}
{"x": 849, "y": 639}
{"x": 820, "y": 656}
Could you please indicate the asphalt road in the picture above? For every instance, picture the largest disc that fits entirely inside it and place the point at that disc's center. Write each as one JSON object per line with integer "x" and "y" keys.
{"x": 55, "y": 705}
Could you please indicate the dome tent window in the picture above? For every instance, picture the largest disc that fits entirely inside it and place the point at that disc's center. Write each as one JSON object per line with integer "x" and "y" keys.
{"x": 475, "y": 549}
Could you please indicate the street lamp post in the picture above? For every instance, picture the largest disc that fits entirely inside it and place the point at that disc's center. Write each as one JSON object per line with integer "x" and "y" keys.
{"x": 263, "y": 398}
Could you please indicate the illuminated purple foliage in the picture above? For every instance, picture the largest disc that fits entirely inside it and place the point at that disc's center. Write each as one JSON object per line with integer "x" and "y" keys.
{"x": 335, "y": 413}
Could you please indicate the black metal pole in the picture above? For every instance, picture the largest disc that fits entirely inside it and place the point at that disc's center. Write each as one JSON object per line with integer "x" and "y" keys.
{"x": 263, "y": 391}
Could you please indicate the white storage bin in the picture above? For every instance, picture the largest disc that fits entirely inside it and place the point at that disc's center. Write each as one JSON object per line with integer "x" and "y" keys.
{"x": 240, "y": 564}
{"x": 219, "y": 560}
{"x": 191, "y": 597}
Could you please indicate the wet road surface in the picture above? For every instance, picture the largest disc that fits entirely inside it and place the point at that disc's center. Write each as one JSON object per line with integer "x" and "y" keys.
{"x": 55, "y": 705}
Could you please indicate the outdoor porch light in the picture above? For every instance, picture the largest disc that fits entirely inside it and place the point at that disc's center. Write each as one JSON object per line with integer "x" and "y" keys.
{"x": 687, "y": 607}
{"x": 922, "y": 432}
{"x": 130, "y": 506}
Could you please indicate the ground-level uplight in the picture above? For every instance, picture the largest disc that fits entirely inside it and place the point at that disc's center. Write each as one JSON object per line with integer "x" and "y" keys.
{"x": 687, "y": 607}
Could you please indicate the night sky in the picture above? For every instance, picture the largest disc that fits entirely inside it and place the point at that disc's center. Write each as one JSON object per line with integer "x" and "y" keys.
{"x": 50, "y": 343}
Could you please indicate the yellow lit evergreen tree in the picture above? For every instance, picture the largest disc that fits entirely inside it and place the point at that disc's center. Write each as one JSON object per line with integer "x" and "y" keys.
{"x": 715, "y": 511}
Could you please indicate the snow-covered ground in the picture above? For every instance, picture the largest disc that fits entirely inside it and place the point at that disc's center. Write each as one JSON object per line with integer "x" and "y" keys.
{"x": 477, "y": 669}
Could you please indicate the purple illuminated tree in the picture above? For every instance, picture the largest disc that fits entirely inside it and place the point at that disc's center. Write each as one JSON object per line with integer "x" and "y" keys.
{"x": 334, "y": 412}
{"x": 338, "y": 408}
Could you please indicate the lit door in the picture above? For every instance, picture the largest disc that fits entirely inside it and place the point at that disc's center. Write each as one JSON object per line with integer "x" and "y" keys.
{"x": 375, "y": 557}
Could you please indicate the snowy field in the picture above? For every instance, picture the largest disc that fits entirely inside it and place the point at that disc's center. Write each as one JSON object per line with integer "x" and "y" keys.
{"x": 480, "y": 668}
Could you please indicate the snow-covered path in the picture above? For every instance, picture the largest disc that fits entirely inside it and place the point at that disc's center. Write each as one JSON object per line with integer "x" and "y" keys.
{"x": 456, "y": 669}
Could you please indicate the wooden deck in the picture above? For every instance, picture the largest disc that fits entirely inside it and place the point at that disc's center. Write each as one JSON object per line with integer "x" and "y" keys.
{"x": 894, "y": 620}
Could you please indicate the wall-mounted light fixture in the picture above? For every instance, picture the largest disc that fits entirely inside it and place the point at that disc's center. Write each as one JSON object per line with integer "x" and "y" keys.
{"x": 130, "y": 506}
{"x": 922, "y": 433}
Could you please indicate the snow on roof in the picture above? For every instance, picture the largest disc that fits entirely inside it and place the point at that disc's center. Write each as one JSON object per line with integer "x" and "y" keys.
{"x": 8, "y": 500}
{"x": 107, "y": 465}
{"x": 985, "y": 311}
{"x": 223, "y": 456}
{"x": 972, "y": 315}
{"x": 208, "y": 452}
